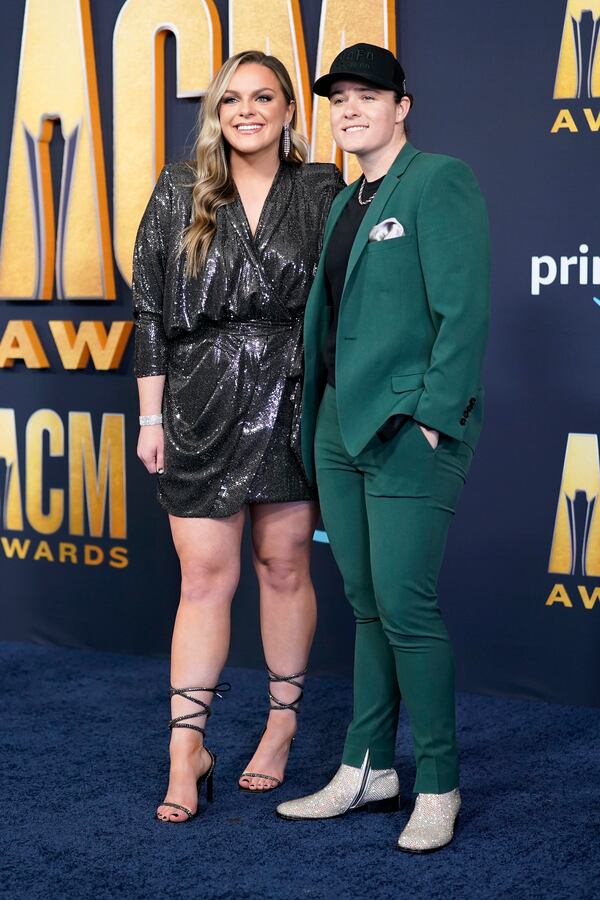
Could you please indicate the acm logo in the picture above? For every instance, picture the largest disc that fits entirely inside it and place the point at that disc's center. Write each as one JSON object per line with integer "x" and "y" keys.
{"x": 575, "y": 548}
{"x": 578, "y": 70}
{"x": 57, "y": 93}
{"x": 60, "y": 482}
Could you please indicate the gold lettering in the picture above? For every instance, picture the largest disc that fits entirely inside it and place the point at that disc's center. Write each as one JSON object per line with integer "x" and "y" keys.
{"x": 118, "y": 558}
{"x": 12, "y": 514}
{"x": 67, "y": 552}
{"x": 90, "y": 339}
{"x": 576, "y": 549}
{"x": 92, "y": 555}
{"x": 57, "y": 84}
{"x": 20, "y": 341}
{"x": 139, "y": 97}
{"x": 43, "y": 552}
{"x": 588, "y": 601}
{"x": 15, "y": 546}
{"x": 559, "y": 594}
{"x": 276, "y": 28}
{"x": 44, "y": 421}
{"x": 593, "y": 121}
{"x": 90, "y": 483}
{"x": 564, "y": 120}
{"x": 342, "y": 24}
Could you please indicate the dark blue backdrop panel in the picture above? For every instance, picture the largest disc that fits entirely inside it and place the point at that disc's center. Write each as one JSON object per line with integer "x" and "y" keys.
{"x": 483, "y": 76}
{"x": 483, "y": 79}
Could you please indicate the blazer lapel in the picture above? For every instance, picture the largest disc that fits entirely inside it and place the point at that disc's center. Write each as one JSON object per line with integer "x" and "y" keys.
{"x": 397, "y": 169}
{"x": 388, "y": 185}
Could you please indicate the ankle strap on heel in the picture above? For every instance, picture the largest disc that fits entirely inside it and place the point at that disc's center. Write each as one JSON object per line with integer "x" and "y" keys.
{"x": 181, "y": 721}
{"x": 275, "y": 703}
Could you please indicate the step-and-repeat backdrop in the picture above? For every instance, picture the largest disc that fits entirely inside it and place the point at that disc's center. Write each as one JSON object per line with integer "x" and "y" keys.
{"x": 96, "y": 96}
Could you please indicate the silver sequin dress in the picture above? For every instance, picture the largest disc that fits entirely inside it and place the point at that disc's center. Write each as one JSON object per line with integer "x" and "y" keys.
{"x": 230, "y": 340}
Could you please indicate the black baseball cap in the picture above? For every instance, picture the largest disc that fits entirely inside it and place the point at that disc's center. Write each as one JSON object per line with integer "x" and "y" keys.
{"x": 366, "y": 62}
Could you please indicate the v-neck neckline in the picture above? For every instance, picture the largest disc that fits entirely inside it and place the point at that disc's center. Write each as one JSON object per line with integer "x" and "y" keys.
{"x": 264, "y": 206}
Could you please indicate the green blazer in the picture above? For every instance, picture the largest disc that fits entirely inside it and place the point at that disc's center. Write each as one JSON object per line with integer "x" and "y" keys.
{"x": 413, "y": 319}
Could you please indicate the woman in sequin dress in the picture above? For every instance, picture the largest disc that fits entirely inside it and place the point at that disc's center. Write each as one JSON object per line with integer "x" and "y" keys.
{"x": 223, "y": 263}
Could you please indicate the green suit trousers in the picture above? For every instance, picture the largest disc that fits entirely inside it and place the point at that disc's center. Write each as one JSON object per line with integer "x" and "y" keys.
{"x": 387, "y": 512}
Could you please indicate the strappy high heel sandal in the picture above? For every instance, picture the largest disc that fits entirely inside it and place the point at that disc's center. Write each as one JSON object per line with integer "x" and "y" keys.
{"x": 276, "y": 704}
{"x": 181, "y": 722}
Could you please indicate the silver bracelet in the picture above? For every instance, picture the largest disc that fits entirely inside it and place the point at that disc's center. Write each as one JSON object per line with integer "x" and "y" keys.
{"x": 151, "y": 420}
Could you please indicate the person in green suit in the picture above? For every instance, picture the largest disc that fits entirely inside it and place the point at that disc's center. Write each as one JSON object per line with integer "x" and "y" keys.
{"x": 395, "y": 331}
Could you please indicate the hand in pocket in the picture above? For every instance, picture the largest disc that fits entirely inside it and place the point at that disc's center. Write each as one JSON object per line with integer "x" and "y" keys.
{"x": 431, "y": 436}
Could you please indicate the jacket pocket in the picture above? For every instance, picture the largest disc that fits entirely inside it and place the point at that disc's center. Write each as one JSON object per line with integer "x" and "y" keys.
{"x": 401, "y": 383}
{"x": 396, "y": 243}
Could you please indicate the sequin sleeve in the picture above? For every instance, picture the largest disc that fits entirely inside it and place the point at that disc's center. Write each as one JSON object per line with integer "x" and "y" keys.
{"x": 325, "y": 182}
{"x": 335, "y": 184}
{"x": 149, "y": 265}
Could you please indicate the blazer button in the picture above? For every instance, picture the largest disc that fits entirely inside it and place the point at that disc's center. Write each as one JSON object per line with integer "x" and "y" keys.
{"x": 463, "y": 421}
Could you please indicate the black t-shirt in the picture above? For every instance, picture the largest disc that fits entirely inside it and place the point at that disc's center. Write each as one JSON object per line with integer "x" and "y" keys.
{"x": 336, "y": 263}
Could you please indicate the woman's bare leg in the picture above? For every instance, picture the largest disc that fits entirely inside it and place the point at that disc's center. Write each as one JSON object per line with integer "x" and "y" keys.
{"x": 282, "y": 540}
{"x": 209, "y": 554}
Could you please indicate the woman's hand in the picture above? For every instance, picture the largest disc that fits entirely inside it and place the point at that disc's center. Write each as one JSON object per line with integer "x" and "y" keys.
{"x": 431, "y": 436}
{"x": 151, "y": 442}
{"x": 151, "y": 448}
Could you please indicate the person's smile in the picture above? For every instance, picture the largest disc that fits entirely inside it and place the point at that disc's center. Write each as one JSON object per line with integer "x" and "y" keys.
{"x": 248, "y": 127}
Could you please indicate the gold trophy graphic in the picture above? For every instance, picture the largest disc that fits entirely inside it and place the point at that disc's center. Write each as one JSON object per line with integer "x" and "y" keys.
{"x": 578, "y": 69}
{"x": 576, "y": 540}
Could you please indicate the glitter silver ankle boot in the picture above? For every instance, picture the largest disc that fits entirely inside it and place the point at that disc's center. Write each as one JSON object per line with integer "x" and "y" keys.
{"x": 377, "y": 790}
{"x": 431, "y": 825}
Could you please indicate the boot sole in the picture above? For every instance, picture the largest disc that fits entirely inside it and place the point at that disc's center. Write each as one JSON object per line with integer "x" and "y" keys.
{"x": 388, "y": 805}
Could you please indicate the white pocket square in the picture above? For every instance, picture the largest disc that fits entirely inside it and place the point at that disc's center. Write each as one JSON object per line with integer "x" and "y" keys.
{"x": 389, "y": 228}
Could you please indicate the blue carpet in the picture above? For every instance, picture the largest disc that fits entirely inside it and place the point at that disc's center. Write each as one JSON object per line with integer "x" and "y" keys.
{"x": 83, "y": 764}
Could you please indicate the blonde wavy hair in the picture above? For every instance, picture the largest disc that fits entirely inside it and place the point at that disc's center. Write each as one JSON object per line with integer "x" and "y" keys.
{"x": 214, "y": 185}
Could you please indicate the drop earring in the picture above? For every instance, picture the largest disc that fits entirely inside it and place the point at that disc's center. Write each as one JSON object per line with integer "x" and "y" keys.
{"x": 287, "y": 144}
